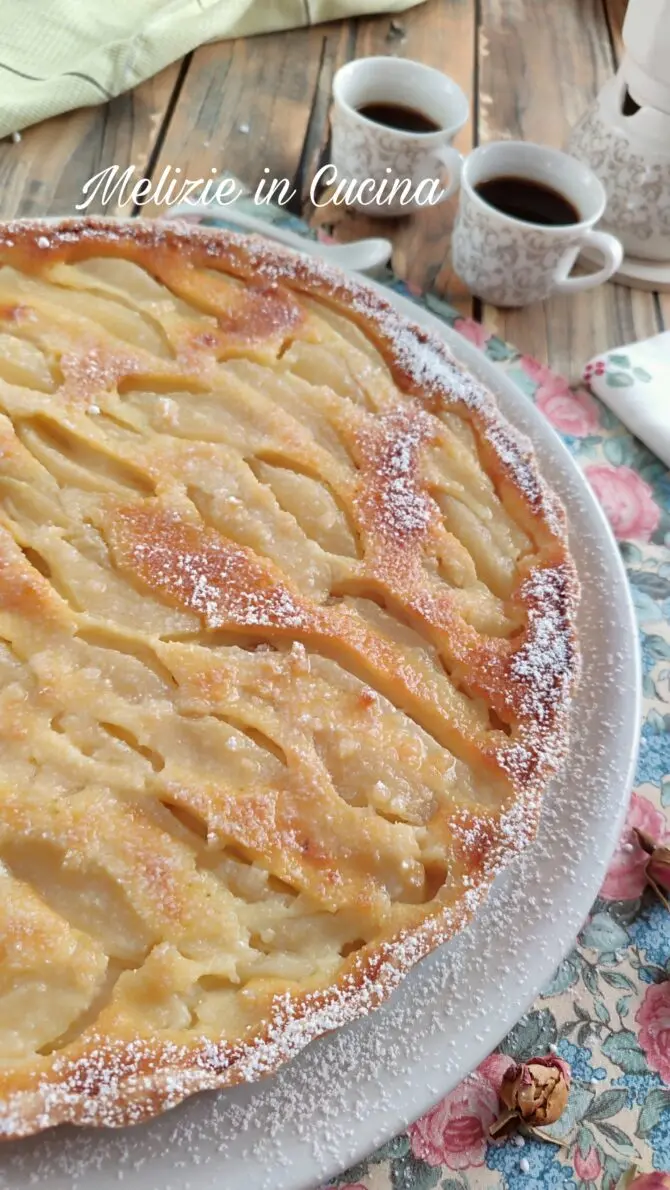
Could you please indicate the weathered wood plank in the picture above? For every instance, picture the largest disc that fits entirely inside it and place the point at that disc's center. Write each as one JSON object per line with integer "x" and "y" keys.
{"x": 244, "y": 108}
{"x": 44, "y": 173}
{"x": 440, "y": 33}
{"x": 521, "y": 97}
{"x": 263, "y": 103}
{"x": 616, "y": 11}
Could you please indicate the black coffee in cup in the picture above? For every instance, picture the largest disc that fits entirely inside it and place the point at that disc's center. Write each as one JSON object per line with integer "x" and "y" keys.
{"x": 523, "y": 198}
{"x": 396, "y": 115}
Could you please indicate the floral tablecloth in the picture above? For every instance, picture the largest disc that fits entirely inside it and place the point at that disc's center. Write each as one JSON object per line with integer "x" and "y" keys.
{"x": 607, "y": 1009}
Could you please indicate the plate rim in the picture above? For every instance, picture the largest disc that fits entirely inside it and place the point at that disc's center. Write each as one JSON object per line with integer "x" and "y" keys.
{"x": 496, "y": 380}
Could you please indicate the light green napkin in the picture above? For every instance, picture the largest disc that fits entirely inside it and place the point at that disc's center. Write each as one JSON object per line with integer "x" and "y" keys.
{"x": 56, "y": 55}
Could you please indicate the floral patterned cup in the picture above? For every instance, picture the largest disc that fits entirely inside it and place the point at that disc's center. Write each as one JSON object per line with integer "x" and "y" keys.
{"x": 510, "y": 262}
{"x": 375, "y": 155}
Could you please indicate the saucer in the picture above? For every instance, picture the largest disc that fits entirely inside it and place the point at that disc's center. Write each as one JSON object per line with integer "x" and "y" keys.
{"x": 644, "y": 274}
{"x": 639, "y": 274}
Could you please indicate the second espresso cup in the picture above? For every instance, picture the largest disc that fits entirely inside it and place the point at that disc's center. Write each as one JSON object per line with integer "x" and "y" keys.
{"x": 512, "y": 261}
{"x": 378, "y": 154}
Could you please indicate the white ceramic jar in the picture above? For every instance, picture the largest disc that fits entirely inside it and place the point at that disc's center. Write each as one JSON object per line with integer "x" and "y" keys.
{"x": 630, "y": 153}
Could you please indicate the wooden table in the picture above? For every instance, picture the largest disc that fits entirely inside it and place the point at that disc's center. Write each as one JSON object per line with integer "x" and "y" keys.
{"x": 530, "y": 67}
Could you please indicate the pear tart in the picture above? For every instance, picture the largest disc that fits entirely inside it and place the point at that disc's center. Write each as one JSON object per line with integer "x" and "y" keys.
{"x": 286, "y": 648}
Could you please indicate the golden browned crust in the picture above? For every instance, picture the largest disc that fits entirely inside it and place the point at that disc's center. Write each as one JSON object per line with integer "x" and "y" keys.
{"x": 492, "y": 697}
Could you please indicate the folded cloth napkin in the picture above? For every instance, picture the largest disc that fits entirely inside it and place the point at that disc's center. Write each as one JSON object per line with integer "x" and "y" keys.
{"x": 56, "y": 55}
{"x": 635, "y": 382}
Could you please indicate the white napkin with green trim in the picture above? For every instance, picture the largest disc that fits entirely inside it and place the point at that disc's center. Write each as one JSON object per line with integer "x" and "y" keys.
{"x": 56, "y": 55}
{"x": 634, "y": 381}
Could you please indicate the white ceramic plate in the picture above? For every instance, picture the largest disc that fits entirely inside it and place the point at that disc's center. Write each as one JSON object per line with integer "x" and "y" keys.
{"x": 352, "y": 1090}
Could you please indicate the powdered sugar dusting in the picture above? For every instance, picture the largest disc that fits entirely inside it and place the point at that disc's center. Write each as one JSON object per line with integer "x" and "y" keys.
{"x": 405, "y": 507}
{"x": 421, "y": 359}
{"x": 516, "y": 453}
{"x": 545, "y": 665}
{"x": 204, "y": 573}
{"x": 310, "y": 1108}
{"x": 354, "y": 1088}
{"x": 541, "y": 676}
{"x": 392, "y": 495}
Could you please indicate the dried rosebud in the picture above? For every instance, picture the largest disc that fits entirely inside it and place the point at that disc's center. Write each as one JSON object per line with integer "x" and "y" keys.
{"x": 659, "y": 867}
{"x": 657, "y": 870}
{"x": 537, "y": 1090}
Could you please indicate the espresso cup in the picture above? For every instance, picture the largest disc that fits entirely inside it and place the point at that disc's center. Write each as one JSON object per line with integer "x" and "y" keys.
{"x": 372, "y": 154}
{"x": 510, "y": 261}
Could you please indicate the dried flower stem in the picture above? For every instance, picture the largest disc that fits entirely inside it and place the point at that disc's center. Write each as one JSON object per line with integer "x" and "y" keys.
{"x": 503, "y": 1122}
{"x": 661, "y": 896}
{"x": 554, "y": 1140}
{"x": 627, "y": 1178}
{"x": 658, "y": 854}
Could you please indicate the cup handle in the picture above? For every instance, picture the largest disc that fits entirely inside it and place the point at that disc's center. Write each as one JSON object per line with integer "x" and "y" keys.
{"x": 453, "y": 160}
{"x": 605, "y": 245}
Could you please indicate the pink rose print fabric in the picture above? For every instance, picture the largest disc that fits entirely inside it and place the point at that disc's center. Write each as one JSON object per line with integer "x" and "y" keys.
{"x": 456, "y": 1131}
{"x": 653, "y": 1018}
{"x": 589, "y": 1166}
{"x": 627, "y": 500}
{"x": 472, "y": 330}
{"x": 625, "y": 878}
{"x": 571, "y": 412}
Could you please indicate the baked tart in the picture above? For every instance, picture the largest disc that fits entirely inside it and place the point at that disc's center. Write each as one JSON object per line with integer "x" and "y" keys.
{"x": 286, "y": 652}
